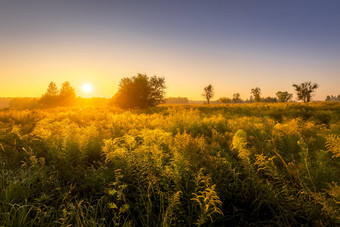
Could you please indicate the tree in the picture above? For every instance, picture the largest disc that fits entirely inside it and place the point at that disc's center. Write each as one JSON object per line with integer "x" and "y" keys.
{"x": 52, "y": 89}
{"x": 67, "y": 96}
{"x": 236, "y": 97}
{"x": 256, "y": 92}
{"x": 304, "y": 90}
{"x": 284, "y": 96}
{"x": 208, "y": 93}
{"x": 269, "y": 99}
{"x": 51, "y": 95}
{"x": 224, "y": 100}
{"x": 251, "y": 99}
{"x": 156, "y": 90}
{"x": 332, "y": 98}
{"x": 140, "y": 91}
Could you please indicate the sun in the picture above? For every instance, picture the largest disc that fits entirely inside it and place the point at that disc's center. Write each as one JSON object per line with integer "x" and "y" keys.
{"x": 87, "y": 88}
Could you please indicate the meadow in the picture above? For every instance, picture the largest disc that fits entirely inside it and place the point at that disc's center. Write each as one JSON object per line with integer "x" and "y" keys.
{"x": 183, "y": 165}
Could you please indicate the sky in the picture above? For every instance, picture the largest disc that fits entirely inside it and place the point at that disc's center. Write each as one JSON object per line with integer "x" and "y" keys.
{"x": 234, "y": 45}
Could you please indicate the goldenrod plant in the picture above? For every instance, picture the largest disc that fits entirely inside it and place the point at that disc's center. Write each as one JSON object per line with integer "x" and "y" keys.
{"x": 256, "y": 164}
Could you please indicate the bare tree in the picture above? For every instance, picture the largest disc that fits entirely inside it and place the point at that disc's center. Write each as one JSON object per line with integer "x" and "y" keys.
{"x": 304, "y": 90}
{"x": 208, "y": 92}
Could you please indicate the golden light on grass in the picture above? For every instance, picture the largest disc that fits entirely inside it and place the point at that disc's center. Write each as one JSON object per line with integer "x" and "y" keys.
{"x": 87, "y": 88}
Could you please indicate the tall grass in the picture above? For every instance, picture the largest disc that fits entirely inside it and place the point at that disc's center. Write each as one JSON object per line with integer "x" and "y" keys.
{"x": 237, "y": 165}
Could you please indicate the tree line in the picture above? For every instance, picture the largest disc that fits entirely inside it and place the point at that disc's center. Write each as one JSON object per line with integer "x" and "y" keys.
{"x": 138, "y": 91}
{"x": 142, "y": 91}
{"x": 331, "y": 98}
{"x": 66, "y": 96}
{"x": 303, "y": 91}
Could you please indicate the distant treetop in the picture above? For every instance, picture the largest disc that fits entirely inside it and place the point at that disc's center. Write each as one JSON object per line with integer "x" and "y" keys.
{"x": 304, "y": 90}
{"x": 208, "y": 92}
{"x": 284, "y": 96}
{"x": 256, "y": 93}
{"x": 53, "y": 97}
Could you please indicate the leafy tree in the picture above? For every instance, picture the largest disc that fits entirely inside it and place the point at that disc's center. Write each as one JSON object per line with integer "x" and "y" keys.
{"x": 140, "y": 91}
{"x": 284, "y": 96}
{"x": 208, "y": 93}
{"x": 304, "y": 90}
{"x": 224, "y": 100}
{"x": 236, "y": 97}
{"x": 256, "y": 92}
{"x": 50, "y": 97}
{"x": 269, "y": 99}
{"x": 156, "y": 90}
{"x": 52, "y": 89}
{"x": 251, "y": 99}
{"x": 333, "y": 98}
{"x": 67, "y": 96}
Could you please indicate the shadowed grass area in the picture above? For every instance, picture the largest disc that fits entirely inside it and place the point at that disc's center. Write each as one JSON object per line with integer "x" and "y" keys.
{"x": 237, "y": 165}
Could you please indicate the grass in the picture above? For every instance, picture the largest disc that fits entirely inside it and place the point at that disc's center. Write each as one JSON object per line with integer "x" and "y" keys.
{"x": 202, "y": 165}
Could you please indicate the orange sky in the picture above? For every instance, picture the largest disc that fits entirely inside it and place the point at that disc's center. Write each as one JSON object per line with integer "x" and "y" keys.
{"x": 28, "y": 70}
{"x": 234, "y": 47}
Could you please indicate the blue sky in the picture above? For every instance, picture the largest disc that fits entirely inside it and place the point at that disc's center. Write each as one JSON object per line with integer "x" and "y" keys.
{"x": 234, "y": 45}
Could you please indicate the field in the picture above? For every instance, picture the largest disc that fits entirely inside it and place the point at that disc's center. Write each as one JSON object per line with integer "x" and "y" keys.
{"x": 204, "y": 165}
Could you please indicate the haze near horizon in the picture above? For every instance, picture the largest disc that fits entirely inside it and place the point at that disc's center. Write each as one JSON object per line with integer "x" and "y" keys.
{"x": 233, "y": 45}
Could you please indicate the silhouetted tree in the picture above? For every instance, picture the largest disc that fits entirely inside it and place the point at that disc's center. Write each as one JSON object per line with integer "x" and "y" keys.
{"x": 332, "y": 98}
{"x": 256, "y": 92}
{"x": 304, "y": 90}
{"x": 284, "y": 96}
{"x": 236, "y": 97}
{"x": 251, "y": 99}
{"x": 224, "y": 100}
{"x": 208, "y": 93}
{"x": 269, "y": 99}
{"x": 51, "y": 96}
{"x": 140, "y": 91}
{"x": 67, "y": 96}
{"x": 52, "y": 89}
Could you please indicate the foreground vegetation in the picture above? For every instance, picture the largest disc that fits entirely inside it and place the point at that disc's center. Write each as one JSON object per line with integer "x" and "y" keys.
{"x": 241, "y": 164}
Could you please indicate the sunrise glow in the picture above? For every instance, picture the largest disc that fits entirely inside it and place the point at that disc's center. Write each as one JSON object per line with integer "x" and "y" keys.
{"x": 169, "y": 113}
{"x": 87, "y": 88}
